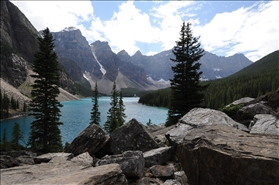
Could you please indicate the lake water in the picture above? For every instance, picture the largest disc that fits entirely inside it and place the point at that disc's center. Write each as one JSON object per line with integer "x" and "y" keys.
{"x": 76, "y": 116}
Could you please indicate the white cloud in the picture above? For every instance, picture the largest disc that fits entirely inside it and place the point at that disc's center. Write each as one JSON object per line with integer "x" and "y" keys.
{"x": 127, "y": 26}
{"x": 251, "y": 30}
{"x": 56, "y": 15}
{"x": 246, "y": 30}
{"x": 150, "y": 53}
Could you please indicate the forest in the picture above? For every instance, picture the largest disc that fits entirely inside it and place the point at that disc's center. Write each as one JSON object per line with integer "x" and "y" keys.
{"x": 260, "y": 78}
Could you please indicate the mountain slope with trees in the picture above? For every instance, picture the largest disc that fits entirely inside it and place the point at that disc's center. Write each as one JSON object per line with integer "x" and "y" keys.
{"x": 255, "y": 80}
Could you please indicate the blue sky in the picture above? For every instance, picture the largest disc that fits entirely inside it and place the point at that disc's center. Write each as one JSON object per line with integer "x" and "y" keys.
{"x": 224, "y": 27}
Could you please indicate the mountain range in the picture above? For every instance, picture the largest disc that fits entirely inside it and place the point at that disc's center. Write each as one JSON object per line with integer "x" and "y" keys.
{"x": 84, "y": 64}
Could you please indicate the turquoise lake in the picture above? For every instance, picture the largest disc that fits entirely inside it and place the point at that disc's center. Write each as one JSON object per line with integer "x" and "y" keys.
{"x": 76, "y": 116}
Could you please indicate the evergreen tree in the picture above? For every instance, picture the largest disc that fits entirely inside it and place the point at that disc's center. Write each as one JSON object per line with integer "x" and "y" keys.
{"x": 5, "y": 145}
{"x": 13, "y": 103}
{"x": 45, "y": 134}
{"x": 112, "y": 121}
{"x": 121, "y": 111}
{"x": 1, "y": 106}
{"x": 16, "y": 134}
{"x": 25, "y": 107}
{"x": 186, "y": 92}
{"x": 149, "y": 123}
{"x": 95, "y": 114}
{"x": 6, "y": 105}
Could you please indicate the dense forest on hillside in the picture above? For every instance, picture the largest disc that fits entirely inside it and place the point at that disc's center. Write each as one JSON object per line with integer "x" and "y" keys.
{"x": 258, "y": 79}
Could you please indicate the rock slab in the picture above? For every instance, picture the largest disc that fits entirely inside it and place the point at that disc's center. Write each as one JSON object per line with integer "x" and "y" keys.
{"x": 200, "y": 117}
{"x": 65, "y": 172}
{"x": 219, "y": 154}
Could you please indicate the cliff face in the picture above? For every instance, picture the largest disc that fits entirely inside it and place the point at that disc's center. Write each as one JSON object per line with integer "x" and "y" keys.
{"x": 18, "y": 43}
{"x": 17, "y": 32}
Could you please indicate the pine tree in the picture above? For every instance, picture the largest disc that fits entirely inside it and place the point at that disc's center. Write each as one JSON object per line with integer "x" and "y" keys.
{"x": 1, "y": 106}
{"x": 121, "y": 111}
{"x": 112, "y": 121}
{"x": 45, "y": 134}
{"x": 95, "y": 114}
{"x": 186, "y": 93}
{"x": 5, "y": 145}
{"x": 16, "y": 134}
{"x": 6, "y": 105}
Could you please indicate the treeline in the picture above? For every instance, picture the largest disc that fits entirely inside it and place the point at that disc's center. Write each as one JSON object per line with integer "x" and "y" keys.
{"x": 258, "y": 79}
{"x": 8, "y": 104}
{"x": 159, "y": 98}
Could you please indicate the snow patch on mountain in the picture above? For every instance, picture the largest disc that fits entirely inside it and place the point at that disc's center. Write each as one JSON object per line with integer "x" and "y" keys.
{"x": 159, "y": 82}
{"x": 217, "y": 69}
{"x": 103, "y": 70}
{"x": 84, "y": 76}
{"x": 218, "y": 77}
{"x": 71, "y": 28}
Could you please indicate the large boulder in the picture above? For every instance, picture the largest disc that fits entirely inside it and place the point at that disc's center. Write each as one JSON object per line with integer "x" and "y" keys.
{"x": 241, "y": 101}
{"x": 63, "y": 172}
{"x": 265, "y": 124}
{"x": 219, "y": 154}
{"x": 16, "y": 158}
{"x": 131, "y": 163}
{"x": 131, "y": 136}
{"x": 158, "y": 156}
{"x": 89, "y": 140}
{"x": 249, "y": 111}
{"x": 199, "y": 117}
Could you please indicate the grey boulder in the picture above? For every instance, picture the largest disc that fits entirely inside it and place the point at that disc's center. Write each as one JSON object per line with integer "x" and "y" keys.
{"x": 90, "y": 140}
{"x": 265, "y": 124}
{"x": 219, "y": 154}
{"x": 131, "y": 136}
{"x": 158, "y": 156}
{"x": 131, "y": 163}
{"x": 200, "y": 117}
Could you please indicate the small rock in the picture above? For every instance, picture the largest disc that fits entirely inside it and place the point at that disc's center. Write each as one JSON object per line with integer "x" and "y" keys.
{"x": 45, "y": 158}
{"x": 163, "y": 172}
{"x": 84, "y": 159}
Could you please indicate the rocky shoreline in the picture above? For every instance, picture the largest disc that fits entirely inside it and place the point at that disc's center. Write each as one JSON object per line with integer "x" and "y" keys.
{"x": 204, "y": 147}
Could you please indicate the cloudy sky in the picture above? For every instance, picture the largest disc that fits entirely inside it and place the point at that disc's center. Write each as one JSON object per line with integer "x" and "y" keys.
{"x": 224, "y": 27}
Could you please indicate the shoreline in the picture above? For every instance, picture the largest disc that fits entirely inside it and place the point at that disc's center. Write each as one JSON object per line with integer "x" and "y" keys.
{"x": 14, "y": 116}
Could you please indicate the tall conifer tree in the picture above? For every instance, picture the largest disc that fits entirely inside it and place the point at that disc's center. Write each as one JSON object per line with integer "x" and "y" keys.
{"x": 95, "y": 114}
{"x": 45, "y": 134}
{"x": 121, "y": 111}
{"x": 16, "y": 134}
{"x": 186, "y": 93}
{"x": 112, "y": 118}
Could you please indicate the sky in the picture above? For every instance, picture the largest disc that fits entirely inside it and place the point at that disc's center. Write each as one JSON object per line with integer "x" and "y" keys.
{"x": 224, "y": 27}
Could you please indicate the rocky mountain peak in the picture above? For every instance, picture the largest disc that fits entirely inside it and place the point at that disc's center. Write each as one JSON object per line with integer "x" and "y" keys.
{"x": 123, "y": 53}
{"x": 101, "y": 45}
{"x": 137, "y": 54}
